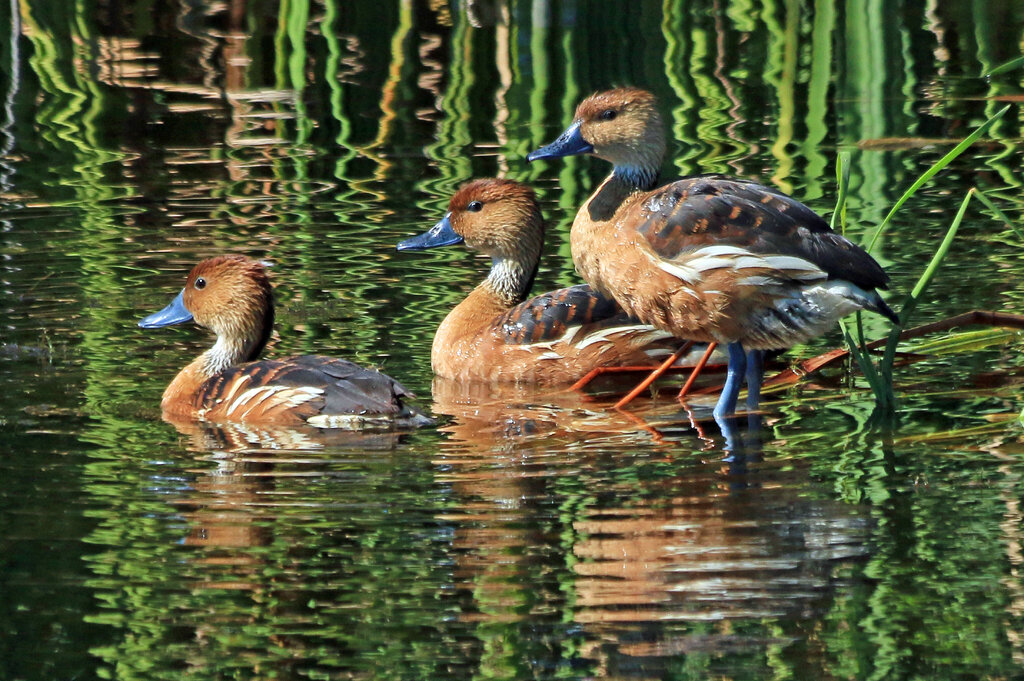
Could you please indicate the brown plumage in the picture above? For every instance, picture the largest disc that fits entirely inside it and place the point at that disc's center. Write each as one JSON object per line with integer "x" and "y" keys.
{"x": 709, "y": 258}
{"x": 232, "y": 296}
{"x": 496, "y": 334}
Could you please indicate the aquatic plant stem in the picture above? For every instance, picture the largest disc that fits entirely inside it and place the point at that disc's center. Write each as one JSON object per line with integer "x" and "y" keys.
{"x": 885, "y": 366}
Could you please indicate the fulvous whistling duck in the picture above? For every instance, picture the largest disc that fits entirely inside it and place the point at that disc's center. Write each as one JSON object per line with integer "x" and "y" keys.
{"x": 496, "y": 334}
{"x": 232, "y": 296}
{"x": 709, "y": 258}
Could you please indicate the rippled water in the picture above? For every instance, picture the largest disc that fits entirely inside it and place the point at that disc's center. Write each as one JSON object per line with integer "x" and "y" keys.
{"x": 533, "y": 534}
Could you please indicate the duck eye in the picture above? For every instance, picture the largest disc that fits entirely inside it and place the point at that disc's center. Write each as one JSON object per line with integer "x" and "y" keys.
{"x": 608, "y": 114}
{"x": 475, "y": 207}
{"x": 200, "y": 284}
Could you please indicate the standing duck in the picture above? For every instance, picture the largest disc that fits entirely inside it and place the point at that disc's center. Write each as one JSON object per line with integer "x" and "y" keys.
{"x": 709, "y": 258}
{"x": 232, "y": 296}
{"x": 496, "y": 334}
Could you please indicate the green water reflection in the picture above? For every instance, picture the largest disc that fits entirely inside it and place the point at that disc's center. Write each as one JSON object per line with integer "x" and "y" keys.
{"x": 532, "y": 536}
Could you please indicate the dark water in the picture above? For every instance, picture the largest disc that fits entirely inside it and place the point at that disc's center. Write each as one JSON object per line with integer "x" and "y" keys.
{"x": 533, "y": 535}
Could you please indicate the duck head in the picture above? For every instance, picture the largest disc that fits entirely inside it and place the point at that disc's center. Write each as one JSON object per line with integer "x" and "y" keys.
{"x": 499, "y": 218}
{"x": 621, "y": 126}
{"x": 230, "y": 295}
{"x": 496, "y": 217}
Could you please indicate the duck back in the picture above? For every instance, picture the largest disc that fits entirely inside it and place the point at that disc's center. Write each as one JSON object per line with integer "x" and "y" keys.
{"x": 548, "y": 316}
{"x": 692, "y": 213}
{"x": 554, "y": 338}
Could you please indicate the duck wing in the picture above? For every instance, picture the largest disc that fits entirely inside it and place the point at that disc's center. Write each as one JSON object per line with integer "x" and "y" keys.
{"x": 718, "y": 220}
{"x": 321, "y": 391}
{"x": 551, "y": 315}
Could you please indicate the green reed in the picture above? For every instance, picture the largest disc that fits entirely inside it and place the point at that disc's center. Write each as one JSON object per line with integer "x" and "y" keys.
{"x": 879, "y": 375}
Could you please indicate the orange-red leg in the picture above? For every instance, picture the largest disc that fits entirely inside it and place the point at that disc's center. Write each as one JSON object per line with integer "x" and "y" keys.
{"x": 696, "y": 370}
{"x": 654, "y": 375}
{"x": 598, "y": 371}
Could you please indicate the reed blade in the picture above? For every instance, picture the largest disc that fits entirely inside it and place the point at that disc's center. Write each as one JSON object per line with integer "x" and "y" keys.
{"x": 928, "y": 174}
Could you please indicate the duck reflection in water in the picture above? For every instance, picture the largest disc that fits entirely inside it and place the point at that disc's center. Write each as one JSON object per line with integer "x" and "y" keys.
{"x": 651, "y": 551}
{"x": 484, "y": 413}
{"x": 245, "y": 438}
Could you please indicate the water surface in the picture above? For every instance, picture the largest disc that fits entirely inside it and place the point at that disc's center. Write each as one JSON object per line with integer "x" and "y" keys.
{"x": 533, "y": 535}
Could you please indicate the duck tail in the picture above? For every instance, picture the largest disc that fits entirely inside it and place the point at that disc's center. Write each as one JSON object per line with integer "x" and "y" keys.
{"x": 880, "y": 306}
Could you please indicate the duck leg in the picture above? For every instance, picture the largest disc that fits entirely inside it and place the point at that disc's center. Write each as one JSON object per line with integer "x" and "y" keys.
{"x": 755, "y": 376}
{"x": 579, "y": 385}
{"x": 733, "y": 381}
{"x": 696, "y": 370}
{"x": 653, "y": 375}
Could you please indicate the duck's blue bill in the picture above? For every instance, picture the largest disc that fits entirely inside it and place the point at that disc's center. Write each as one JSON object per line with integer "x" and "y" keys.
{"x": 440, "y": 234}
{"x": 569, "y": 143}
{"x": 175, "y": 313}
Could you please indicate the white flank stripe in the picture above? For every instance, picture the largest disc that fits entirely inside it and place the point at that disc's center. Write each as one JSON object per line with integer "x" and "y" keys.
{"x": 245, "y": 397}
{"x": 756, "y": 280}
{"x": 256, "y": 403}
{"x": 348, "y": 421}
{"x": 789, "y": 263}
{"x": 706, "y": 264}
{"x": 605, "y": 335}
{"x": 693, "y": 294}
{"x": 717, "y": 257}
{"x": 303, "y": 394}
{"x": 569, "y": 334}
{"x": 721, "y": 249}
{"x": 724, "y": 256}
{"x": 749, "y": 260}
{"x": 649, "y": 337}
{"x": 235, "y": 386}
{"x": 567, "y": 337}
{"x": 681, "y": 272}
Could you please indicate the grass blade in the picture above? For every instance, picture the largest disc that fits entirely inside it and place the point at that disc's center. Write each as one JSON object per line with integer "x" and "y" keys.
{"x": 843, "y": 180}
{"x": 999, "y": 214}
{"x": 1008, "y": 66}
{"x": 922, "y": 283}
{"x": 966, "y": 341}
{"x": 928, "y": 174}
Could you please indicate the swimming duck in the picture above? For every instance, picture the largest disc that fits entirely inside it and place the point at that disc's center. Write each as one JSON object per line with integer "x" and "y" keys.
{"x": 495, "y": 333}
{"x": 709, "y": 258}
{"x": 232, "y": 296}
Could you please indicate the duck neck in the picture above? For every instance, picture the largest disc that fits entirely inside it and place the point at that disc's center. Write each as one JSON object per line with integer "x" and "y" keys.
{"x": 640, "y": 177}
{"x": 225, "y": 353}
{"x": 605, "y": 203}
{"x": 506, "y": 286}
{"x": 629, "y": 177}
{"x": 510, "y": 280}
{"x": 636, "y": 165}
{"x": 231, "y": 349}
